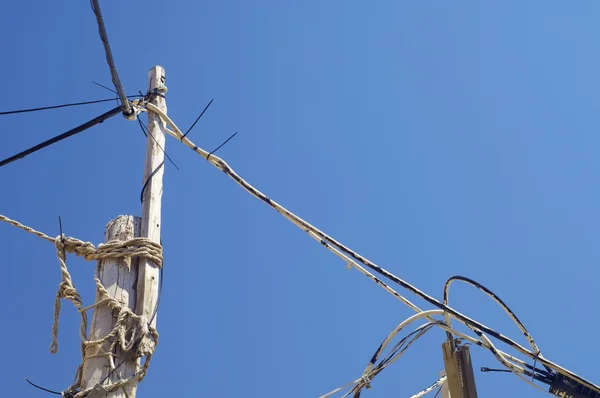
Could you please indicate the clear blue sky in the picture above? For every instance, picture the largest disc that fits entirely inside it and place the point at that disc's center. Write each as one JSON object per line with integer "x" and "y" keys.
{"x": 436, "y": 138}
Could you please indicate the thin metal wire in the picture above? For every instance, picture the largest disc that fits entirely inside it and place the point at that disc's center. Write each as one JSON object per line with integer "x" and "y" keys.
{"x": 198, "y": 118}
{"x": 220, "y": 146}
{"x": 147, "y": 133}
{"x": 104, "y": 87}
{"x": 43, "y": 108}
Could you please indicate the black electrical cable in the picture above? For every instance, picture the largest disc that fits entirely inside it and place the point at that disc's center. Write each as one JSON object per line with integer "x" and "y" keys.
{"x": 198, "y": 118}
{"x": 61, "y": 106}
{"x": 498, "y": 300}
{"x": 162, "y": 164}
{"x": 327, "y": 241}
{"x": 125, "y": 106}
{"x": 42, "y": 388}
{"x": 62, "y": 136}
{"x": 541, "y": 378}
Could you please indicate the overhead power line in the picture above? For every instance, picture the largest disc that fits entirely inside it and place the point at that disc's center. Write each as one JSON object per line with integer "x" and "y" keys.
{"x": 125, "y": 106}
{"x": 43, "y": 108}
{"x": 62, "y": 136}
{"x": 563, "y": 379}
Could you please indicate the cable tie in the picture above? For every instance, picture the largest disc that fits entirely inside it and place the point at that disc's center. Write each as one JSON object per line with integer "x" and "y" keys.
{"x": 349, "y": 265}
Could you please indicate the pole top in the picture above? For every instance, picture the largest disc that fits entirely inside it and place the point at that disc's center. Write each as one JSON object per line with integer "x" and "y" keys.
{"x": 156, "y": 80}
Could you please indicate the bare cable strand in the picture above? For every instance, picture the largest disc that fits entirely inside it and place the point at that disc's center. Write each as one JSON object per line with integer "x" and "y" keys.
{"x": 356, "y": 258}
{"x": 432, "y": 387}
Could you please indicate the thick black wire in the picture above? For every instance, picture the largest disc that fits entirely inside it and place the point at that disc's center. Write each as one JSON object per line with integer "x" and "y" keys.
{"x": 42, "y": 388}
{"x": 478, "y": 285}
{"x": 328, "y": 241}
{"x": 162, "y": 164}
{"x": 62, "y": 136}
{"x": 198, "y": 118}
{"x": 544, "y": 379}
{"x": 61, "y": 106}
{"x": 125, "y": 106}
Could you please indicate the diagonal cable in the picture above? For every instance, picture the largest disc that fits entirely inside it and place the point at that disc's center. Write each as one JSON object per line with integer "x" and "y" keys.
{"x": 62, "y": 136}
{"x": 125, "y": 106}
{"x": 43, "y": 108}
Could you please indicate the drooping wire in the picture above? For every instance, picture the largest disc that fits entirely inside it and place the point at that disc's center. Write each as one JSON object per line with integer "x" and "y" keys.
{"x": 76, "y": 130}
{"x": 125, "y": 106}
{"x": 43, "y": 108}
{"x": 198, "y": 118}
{"x": 374, "y": 368}
{"x": 500, "y": 302}
{"x": 397, "y": 351}
{"x": 162, "y": 164}
{"x": 42, "y": 388}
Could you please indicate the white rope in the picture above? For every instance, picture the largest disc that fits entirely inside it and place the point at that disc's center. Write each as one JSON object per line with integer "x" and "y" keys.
{"x": 328, "y": 240}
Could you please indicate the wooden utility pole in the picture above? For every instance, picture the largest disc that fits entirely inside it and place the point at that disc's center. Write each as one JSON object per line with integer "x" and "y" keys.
{"x": 133, "y": 282}
{"x": 459, "y": 371}
{"x": 119, "y": 277}
{"x": 148, "y": 272}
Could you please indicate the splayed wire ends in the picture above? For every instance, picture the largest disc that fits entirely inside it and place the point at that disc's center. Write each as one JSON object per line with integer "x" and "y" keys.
{"x": 220, "y": 146}
{"x": 198, "y": 118}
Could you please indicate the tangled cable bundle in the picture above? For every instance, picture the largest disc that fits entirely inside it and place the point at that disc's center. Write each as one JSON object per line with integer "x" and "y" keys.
{"x": 132, "y": 325}
{"x": 129, "y": 327}
{"x": 352, "y": 259}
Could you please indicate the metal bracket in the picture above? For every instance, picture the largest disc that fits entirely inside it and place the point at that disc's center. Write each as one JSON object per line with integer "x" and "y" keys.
{"x": 97, "y": 392}
{"x": 459, "y": 371}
